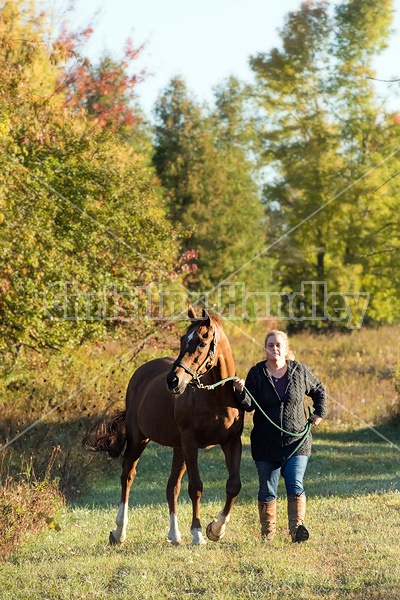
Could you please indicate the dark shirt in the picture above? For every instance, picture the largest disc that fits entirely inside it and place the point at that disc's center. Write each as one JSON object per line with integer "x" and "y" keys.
{"x": 280, "y": 384}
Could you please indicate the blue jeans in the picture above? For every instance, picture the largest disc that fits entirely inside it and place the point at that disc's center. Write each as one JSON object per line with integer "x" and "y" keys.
{"x": 269, "y": 472}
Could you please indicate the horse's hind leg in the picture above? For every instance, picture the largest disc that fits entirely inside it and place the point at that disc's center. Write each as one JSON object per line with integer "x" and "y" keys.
{"x": 233, "y": 451}
{"x": 173, "y": 489}
{"x": 131, "y": 457}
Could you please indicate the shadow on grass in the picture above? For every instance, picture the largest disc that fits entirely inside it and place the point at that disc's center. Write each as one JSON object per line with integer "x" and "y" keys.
{"x": 363, "y": 435}
{"x": 354, "y": 463}
{"x": 153, "y": 471}
{"x": 343, "y": 463}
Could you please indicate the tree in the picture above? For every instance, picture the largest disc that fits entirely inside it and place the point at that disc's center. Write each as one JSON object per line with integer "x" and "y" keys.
{"x": 106, "y": 90}
{"x": 210, "y": 186}
{"x": 78, "y": 206}
{"x": 321, "y": 130}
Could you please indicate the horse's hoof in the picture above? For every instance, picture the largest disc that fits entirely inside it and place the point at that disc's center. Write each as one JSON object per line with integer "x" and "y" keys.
{"x": 209, "y": 532}
{"x": 175, "y": 542}
{"x": 113, "y": 541}
{"x": 198, "y": 539}
{"x": 201, "y": 542}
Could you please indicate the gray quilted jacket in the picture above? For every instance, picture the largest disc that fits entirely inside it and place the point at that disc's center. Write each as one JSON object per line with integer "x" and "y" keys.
{"x": 267, "y": 442}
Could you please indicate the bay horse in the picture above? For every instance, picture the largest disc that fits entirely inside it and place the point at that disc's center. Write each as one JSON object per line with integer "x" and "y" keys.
{"x": 165, "y": 404}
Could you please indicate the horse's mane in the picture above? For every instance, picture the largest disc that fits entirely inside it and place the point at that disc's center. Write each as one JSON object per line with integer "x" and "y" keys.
{"x": 197, "y": 321}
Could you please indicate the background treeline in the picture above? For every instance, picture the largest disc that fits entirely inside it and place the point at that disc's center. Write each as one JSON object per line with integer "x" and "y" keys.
{"x": 94, "y": 196}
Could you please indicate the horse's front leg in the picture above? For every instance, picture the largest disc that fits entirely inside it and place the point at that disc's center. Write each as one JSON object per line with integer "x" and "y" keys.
{"x": 233, "y": 452}
{"x": 195, "y": 488}
{"x": 173, "y": 489}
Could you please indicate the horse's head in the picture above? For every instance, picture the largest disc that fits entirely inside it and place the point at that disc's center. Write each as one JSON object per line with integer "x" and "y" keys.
{"x": 197, "y": 352}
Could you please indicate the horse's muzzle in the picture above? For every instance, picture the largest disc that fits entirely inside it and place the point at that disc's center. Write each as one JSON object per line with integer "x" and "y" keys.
{"x": 174, "y": 384}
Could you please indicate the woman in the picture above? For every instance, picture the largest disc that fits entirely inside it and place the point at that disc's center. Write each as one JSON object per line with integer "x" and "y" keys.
{"x": 278, "y": 385}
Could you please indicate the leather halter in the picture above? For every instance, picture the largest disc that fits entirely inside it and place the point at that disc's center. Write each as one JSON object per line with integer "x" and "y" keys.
{"x": 208, "y": 362}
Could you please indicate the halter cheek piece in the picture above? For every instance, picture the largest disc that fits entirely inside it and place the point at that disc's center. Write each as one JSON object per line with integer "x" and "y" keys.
{"x": 207, "y": 362}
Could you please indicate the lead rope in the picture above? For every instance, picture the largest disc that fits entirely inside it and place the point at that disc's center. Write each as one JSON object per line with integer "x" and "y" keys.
{"x": 303, "y": 434}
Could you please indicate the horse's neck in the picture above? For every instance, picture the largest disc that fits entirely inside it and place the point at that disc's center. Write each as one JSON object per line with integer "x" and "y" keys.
{"x": 224, "y": 366}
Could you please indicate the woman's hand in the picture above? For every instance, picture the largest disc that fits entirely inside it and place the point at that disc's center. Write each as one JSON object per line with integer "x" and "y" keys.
{"x": 315, "y": 420}
{"x": 238, "y": 384}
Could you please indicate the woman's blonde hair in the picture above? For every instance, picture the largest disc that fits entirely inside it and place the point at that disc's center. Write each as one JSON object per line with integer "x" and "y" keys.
{"x": 289, "y": 353}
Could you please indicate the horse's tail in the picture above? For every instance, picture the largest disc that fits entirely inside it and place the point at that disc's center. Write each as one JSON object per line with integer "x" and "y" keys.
{"x": 107, "y": 435}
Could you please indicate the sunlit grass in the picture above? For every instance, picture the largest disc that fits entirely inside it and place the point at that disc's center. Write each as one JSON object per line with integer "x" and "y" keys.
{"x": 352, "y": 484}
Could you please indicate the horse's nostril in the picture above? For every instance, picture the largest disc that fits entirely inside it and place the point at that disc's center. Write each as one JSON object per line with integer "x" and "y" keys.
{"x": 172, "y": 381}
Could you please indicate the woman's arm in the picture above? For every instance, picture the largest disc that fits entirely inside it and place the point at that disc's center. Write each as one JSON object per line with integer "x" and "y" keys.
{"x": 242, "y": 398}
{"x": 316, "y": 391}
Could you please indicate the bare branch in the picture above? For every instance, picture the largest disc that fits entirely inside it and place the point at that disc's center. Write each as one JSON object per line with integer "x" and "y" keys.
{"x": 387, "y": 181}
{"x": 384, "y": 80}
{"x": 379, "y": 252}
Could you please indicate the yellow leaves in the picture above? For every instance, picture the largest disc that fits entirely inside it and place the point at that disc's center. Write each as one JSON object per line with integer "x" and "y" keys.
{"x": 8, "y": 43}
{"x": 5, "y": 125}
{"x": 51, "y": 524}
{"x": 58, "y": 54}
{"x": 2, "y": 217}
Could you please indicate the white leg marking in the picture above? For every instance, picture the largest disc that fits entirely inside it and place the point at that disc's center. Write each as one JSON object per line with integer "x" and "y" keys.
{"x": 174, "y": 535}
{"x": 198, "y": 539}
{"x": 122, "y": 521}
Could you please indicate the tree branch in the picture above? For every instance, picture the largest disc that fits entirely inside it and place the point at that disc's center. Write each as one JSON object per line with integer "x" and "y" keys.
{"x": 379, "y": 252}
{"x": 387, "y": 180}
{"x": 384, "y": 80}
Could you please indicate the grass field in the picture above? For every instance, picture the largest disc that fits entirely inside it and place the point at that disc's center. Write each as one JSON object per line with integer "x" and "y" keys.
{"x": 352, "y": 483}
{"x": 353, "y": 489}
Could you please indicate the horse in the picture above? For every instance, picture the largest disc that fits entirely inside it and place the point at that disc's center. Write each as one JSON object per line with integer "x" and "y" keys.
{"x": 167, "y": 403}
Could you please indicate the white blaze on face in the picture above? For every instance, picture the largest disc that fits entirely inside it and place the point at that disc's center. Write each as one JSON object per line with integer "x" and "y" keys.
{"x": 190, "y": 337}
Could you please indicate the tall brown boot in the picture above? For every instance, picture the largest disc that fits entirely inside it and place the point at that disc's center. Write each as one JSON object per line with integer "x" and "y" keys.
{"x": 267, "y": 512}
{"x": 296, "y": 515}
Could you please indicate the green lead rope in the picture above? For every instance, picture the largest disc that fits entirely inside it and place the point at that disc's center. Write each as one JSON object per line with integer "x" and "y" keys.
{"x": 303, "y": 434}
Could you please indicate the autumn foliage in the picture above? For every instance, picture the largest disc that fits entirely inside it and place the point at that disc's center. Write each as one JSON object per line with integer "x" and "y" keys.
{"x": 93, "y": 196}
{"x": 78, "y": 208}
{"x": 105, "y": 90}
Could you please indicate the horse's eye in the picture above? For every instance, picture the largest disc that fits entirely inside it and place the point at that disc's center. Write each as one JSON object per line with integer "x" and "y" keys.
{"x": 202, "y": 345}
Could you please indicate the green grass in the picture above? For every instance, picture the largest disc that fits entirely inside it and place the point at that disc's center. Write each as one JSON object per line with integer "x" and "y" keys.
{"x": 352, "y": 483}
{"x": 353, "y": 488}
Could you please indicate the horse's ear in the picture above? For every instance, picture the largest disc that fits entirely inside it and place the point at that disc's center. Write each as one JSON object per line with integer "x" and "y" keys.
{"x": 206, "y": 317}
{"x": 191, "y": 313}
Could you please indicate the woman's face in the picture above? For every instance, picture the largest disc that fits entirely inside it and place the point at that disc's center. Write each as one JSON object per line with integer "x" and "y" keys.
{"x": 276, "y": 347}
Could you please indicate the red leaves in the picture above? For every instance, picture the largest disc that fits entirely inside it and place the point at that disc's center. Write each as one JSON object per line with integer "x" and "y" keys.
{"x": 183, "y": 264}
{"x": 106, "y": 90}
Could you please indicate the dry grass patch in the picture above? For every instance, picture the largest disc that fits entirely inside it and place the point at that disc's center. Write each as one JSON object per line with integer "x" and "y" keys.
{"x": 26, "y": 505}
